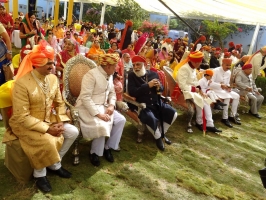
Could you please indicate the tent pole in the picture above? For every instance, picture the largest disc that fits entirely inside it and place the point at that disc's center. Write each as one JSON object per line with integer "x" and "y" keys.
{"x": 80, "y": 12}
{"x": 255, "y": 35}
{"x": 102, "y": 14}
{"x": 178, "y": 16}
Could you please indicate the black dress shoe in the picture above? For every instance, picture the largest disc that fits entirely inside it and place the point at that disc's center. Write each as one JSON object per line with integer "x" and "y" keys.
{"x": 167, "y": 141}
{"x": 199, "y": 126}
{"x": 220, "y": 103}
{"x": 233, "y": 119}
{"x": 217, "y": 107}
{"x": 43, "y": 184}
{"x": 95, "y": 159}
{"x": 213, "y": 129}
{"x": 257, "y": 116}
{"x": 227, "y": 123}
{"x": 159, "y": 144}
{"x": 63, "y": 173}
{"x": 108, "y": 155}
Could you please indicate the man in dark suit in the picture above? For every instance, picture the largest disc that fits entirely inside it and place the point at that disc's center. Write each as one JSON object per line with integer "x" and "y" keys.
{"x": 214, "y": 61}
{"x": 144, "y": 85}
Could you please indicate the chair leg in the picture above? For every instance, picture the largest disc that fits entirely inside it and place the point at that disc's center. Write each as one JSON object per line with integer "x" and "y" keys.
{"x": 141, "y": 128}
{"x": 75, "y": 151}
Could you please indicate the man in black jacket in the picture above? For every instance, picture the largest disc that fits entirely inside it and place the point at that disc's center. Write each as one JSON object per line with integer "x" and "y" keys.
{"x": 214, "y": 61}
{"x": 144, "y": 85}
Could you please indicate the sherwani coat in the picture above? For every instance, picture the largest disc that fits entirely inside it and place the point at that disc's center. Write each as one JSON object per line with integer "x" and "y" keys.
{"x": 31, "y": 118}
{"x": 97, "y": 93}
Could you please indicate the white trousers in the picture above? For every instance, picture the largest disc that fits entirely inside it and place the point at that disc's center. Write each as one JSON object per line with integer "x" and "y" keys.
{"x": 158, "y": 132}
{"x": 98, "y": 144}
{"x": 208, "y": 115}
{"x": 70, "y": 134}
{"x": 234, "y": 105}
{"x": 212, "y": 95}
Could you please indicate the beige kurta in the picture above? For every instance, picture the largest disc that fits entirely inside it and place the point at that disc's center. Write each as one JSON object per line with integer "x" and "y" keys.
{"x": 31, "y": 119}
{"x": 97, "y": 92}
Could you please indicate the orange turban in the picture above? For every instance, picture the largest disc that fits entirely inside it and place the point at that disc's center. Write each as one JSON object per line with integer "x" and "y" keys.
{"x": 38, "y": 57}
{"x": 227, "y": 61}
{"x": 206, "y": 48}
{"x": 168, "y": 40}
{"x": 196, "y": 56}
{"x": 108, "y": 59}
{"x": 209, "y": 72}
{"x": 245, "y": 58}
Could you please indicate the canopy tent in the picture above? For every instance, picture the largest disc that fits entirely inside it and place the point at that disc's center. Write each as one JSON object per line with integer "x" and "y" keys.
{"x": 235, "y": 11}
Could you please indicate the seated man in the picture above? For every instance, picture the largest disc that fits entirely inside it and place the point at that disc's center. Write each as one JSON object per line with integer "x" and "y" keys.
{"x": 95, "y": 104}
{"x": 189, "y": 85}
{"x": 221, "y": 86}
{"x": 144, "y": 85}
{"x": 35, "y": 93}
{"x": 247, "y": 86}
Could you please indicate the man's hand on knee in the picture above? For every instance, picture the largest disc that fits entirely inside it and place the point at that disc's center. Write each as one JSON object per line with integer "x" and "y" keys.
{"x": 56, "y": 129}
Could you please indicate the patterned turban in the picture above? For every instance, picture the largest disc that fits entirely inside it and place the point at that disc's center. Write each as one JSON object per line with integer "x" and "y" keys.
{"x": 108, "y": 59}
{"x": 196, "y": 56}
{"x": 227, "y": 61}
{"x": 209, "y": 72}
{"x": 247, "y": 66}
{"x": 263, "y": 49}
{"x": 38, "y": 57}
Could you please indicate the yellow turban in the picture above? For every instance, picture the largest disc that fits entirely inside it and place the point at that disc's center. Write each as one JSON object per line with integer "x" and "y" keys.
{"x": 108, "y": 59}
{"x": 263, "y": 49}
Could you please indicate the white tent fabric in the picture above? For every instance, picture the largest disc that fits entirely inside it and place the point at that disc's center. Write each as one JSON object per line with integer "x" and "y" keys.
{"x": 236, "y": 11}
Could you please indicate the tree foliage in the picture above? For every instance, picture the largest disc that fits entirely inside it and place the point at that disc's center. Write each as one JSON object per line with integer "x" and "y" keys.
{"x": 219, "y": 30}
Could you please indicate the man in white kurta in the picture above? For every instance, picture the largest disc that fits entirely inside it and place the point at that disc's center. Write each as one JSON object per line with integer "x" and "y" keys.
{"x": 256, "y": 62}
{"x": 188, "y": 83}
{"x": 95, "y": 104}
{"x": 221, "y": 86}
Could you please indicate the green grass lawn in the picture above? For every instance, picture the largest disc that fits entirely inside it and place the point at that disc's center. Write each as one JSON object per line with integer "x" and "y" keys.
{"x": 194, "y": 167}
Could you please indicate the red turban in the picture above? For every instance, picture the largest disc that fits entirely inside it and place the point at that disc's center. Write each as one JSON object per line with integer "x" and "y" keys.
{"x": 225, "y": 50}
{"x": 247, "y": 66}
{"x": 196, "y": 56}
{"x": 137, "y": 58}
{"x": 238, "y": 46}
{"x": 227, "y": 61}
{"x": 231, "y": 44}
{"x": 209, "y": 72}
{"x": 218, "y": 49}
{"x": 129, "y": 23}
{"x": 217, "y": 53}
{"x": 227, "y": 55}
{"x": 151, "y": 35}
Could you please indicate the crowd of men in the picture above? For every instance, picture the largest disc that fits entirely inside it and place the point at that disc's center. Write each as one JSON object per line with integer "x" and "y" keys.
{"x": 36, "y": 91}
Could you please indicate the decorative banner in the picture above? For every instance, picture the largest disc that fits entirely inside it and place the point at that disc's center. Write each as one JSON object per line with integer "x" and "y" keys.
{"x": 32, "y": 6}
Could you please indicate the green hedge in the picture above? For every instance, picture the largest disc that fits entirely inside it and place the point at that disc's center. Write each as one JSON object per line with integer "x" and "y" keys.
{"x": 261, "y": 83}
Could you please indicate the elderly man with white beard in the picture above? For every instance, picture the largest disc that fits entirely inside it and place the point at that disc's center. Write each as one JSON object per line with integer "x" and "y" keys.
{"x": 144, "y": 85}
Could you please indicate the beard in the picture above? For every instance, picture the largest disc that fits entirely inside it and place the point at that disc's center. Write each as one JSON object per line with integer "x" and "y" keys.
{"x": 141, "y": 72}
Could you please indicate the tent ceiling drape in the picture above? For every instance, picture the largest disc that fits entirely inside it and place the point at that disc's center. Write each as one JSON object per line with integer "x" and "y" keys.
{"x": 236, "y": 11}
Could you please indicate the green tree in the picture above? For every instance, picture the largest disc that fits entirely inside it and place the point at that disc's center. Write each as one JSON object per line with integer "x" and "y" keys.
{"x": 219, "y": 30}
{"x": 173, "y": 23}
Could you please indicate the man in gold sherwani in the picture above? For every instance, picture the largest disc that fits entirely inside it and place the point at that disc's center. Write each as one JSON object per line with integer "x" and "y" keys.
{"x": 36, "y": 98}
